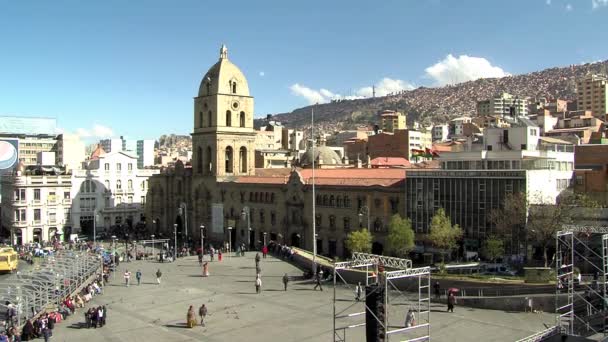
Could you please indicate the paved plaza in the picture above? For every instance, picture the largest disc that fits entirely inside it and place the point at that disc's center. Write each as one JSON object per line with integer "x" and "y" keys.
{"x": 152, "y": 312}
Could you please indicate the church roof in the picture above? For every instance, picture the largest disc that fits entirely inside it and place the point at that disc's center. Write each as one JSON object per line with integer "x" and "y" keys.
{"x": 220, "y": 76}
{"x": 348, "y": 177}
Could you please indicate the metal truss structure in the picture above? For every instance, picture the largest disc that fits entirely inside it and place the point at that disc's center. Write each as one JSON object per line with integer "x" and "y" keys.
{"x": 57, "y": 276}
{"x": 348, "y": 309}
{"x": 542, "y": 335}
{"x": 583, "y": 310}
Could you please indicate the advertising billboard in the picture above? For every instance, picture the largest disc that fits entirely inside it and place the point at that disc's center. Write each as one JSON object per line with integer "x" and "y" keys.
{"x": 9, "y": 156}
{"x": 27, "y": 125}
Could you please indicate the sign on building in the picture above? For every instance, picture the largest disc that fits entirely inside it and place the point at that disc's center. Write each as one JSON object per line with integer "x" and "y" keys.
{"x": 9, "y": 157}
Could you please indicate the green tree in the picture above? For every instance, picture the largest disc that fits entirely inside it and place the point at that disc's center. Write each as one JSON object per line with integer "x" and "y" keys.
{"x": 493, "y": 247}
{"x": 359, "y": 241}
{"x": 400, "y": 239}
{"x": 510, "y": 220}
{"x": 443, "y": 235}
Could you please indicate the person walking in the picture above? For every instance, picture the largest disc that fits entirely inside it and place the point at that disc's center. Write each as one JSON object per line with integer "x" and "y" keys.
{"x": 191, "y": 317}
{"x": 100, "y": 316}
{"x": 264, "y": 251}
{"x": 158, "y": 275}
{"x": 451, "y": 302}
{"x": 410, "y": 319}
{"x": 285, "y": 281}
{"x": 211, "y": 252}
{"x": 138, "y": 277}
{"x": 437, "y": 290}
{"x": 202, "y": 311}
{"x": 258, "y": 284}
{"x": 257, "y": 259}
{"x": 358, "y": 292}
{"x": 127, "y": 277}
{"x": 318, "y": 282}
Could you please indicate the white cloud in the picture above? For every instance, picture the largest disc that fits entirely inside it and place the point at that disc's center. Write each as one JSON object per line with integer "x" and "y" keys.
{"x": 98, "y": 131}
{"x": 262, "y": 74}
{"x": 568, "y": 7}
{"x": 384, "y": 87}
{"x": 463, "y": 68}
{"x": 598, "y": 3}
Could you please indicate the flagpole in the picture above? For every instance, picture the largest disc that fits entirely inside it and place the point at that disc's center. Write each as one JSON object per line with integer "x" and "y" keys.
{"x": 314, "y": 199}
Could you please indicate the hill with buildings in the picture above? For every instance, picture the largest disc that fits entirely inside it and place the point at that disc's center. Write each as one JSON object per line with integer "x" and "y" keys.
{"x": 437, "y": 105}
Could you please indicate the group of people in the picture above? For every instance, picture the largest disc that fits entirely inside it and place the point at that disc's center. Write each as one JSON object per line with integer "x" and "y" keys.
{"x": 41, "y": 327}
{"x": 95, "y": 317}
{"x": 191, "y": 321}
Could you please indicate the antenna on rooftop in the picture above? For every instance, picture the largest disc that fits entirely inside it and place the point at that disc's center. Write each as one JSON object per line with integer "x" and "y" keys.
{"x": 373, "y": 91}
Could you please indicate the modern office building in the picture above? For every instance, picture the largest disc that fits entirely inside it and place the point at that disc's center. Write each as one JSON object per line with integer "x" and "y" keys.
{"x": 503, "y": 104}
{"x": 112, "y": 144}
{"x": 70, "y": 151}
{"x": 440, "y": 132}
{"x": 391, "y": 121}
{"x": 591, "y": 94}
{"x": 145, "y": 153}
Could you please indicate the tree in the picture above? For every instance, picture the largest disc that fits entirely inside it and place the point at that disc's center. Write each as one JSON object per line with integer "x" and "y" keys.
{"x": 510, "y": 220}
{"x": 443, "y": 235}
{"x": 359, "y": 241}
{"x": 545, "y": 220}
{"x": 400, "y": 239}
{"x": 493, "y": 248}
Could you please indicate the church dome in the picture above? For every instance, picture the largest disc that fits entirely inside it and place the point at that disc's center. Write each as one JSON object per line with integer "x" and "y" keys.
{"x": 224, "y": 78}
{"x": 323, "y": 155}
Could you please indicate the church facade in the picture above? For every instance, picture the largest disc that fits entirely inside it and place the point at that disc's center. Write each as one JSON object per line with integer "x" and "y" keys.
{"x": 223, "y": 196}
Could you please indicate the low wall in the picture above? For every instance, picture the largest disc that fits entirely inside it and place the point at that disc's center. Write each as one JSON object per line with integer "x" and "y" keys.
{"x": 544, "y": 303}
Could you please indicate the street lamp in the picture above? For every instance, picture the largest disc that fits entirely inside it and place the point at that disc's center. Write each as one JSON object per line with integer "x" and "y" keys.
{"x": 94, "y": 228}
{"x": 185, "y": 214}
{"x": 202, "y": 240}
{"x": 127, "y": 247}
{"x": 175, "y": 245}
{"x": 246, "y": 212}
{"x": 229, "y": 240}
{"x": 153, "y": 253}
{"x": 364, "y": 211}
{"x": 264, "y": 238}
{"x": 114, "y": 255}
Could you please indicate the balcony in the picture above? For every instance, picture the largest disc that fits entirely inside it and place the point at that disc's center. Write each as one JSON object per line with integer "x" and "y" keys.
{"x": 19, "y": 202}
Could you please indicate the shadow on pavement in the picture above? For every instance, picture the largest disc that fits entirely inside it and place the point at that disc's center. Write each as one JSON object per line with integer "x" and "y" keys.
{"x": 177, "y": 325}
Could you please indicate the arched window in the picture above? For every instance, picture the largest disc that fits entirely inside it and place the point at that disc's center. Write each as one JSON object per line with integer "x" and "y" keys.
{"x": 272, "y": 197}
{"x": 332, "y": 201}
{"x": 208, "y": 164}
{"x": 243, "y": 159}
{"x": 267, "y": 197}
{"x": 339, "y": 201}
{"x": 251, "y": 197}
{"x": 234, "y": 87}
{"x": 208, "y": 88}
{"x": 228, "y": 118}
{"x": 209, "y": 119}
{"x": 346, "y": 202}
{"x": 107, "y": 185}
{"x": 325, "y": 201}
{"x": 199, "y": 160}
{"x": 130, "y": 184}
{"x": 257, "y": 196}
{"x": 242, "y": 119}
{"x": 200, "y": 119}
{"x": 118, "y": 185}
{"x": 229, "y": 160}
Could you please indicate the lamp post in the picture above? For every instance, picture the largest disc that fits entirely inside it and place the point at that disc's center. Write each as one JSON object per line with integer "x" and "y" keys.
{"x": 153, "y": 252}
{"x": 202, "y": 240}
{"x": 364, "y": 211}
{"x": 264, "y": 238}
{"x": 114, "y": 255}
{"x": 175, "y": 244}
{"x": 185, "y": 214}
{"x": 94, "y": 228}
{"x": 229, "y": 240}
{"x": 245, "y": 212}
{"x": 251, "y": 241}
{"x": 127, "y": 247}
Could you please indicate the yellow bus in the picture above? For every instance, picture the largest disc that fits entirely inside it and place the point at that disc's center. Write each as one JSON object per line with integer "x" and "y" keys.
{"x": 8, "y": 259}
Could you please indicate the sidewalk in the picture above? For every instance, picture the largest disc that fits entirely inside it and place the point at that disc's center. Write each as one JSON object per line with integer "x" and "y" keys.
{"x": 150, "y": 312}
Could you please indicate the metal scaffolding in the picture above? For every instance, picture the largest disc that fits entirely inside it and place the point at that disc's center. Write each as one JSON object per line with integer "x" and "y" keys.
{"x": 583, "y": 310}
{"x": 348, "y": 310}
{"x": 48, "y": 284}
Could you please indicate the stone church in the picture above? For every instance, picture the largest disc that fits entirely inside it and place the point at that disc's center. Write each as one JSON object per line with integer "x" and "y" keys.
{"x": 223, "y": 192}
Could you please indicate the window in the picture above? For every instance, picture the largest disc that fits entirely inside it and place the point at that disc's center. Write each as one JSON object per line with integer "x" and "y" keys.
{"x": 489, "y": 148}
{"x": 200, "y": 119}
{"x": 130, "y": 166}
{"x": 346, "y": 224}
{"x": 36, "y": 194}
{"x": 229, "y": 161}
{"x": 332, "y": 222}
{"x": 37, "y": 216}
{"x": 579, "y": 180}
{"x": 118, "y": 167}
{"x": 66, "y": 195}
{"x": 52, "y": 217}
{"x": 106, "y": 167}
{"x": 118, "y": 185}
{"x": 130, "y": 184}
{"x": 243, "y": 159}
{"x": 228, "y": 118}
{"x": 107, "y": 185}
{"x": 233, "y": 87}
{"x": 273, "y": 218}
{"x": 20, "y": 215}
{"x": 52, "y": 197}
{"x": 142, "y": 200}
{"x": 262, "y": 217}
{"x": 318, "y": 220}
{"x": 346, "y": 202}
{"x": 242, "y": 119}
{"x": 118, "y": 200}
{"x": 142, "y": 185}
{"x": 20, "y": 195}
{"x": 130, "y": 199}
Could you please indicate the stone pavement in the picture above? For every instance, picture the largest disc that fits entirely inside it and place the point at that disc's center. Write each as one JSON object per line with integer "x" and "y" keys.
{"x": 150, "y": 312}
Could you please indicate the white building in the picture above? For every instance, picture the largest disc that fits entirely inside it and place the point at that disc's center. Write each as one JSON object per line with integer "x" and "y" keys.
{"x": 70, "y": 151}
{"x": 457, "y": 126}
{"x": 145, "y": 153}
{"x": 440, "y": 132}
{"x": 36, "y": 203}
{"x": 111, "y": 188}
{"x": 503, "y": 104}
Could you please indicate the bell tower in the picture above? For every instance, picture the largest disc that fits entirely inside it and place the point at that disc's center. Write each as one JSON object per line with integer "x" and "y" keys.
{"x": 223, "y": 139}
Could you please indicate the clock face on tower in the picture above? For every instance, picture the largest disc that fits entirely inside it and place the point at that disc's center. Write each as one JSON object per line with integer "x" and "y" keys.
{"x": 235, "y": 105}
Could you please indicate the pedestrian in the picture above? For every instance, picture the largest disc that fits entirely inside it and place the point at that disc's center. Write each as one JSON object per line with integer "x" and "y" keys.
{"x": 47, "y": 333}
{"x": 410, "y": 319}
{"x": 258, "y": 284}
{"x": 358, "y": 292}
{"x": 202, "y": 311}
{"x": 257, "y": 259}
{"x": 105, "y": 315}
{"x": 437, "y": 290}
{"x": 100, "y": 316}
{"x": 127, "y": 277}
{"x": 264, "y": 251}
{"x": 158, "y": 275}
{"x": 285, "y": 281}
{"x": 318, "y": 281}
{"x": 219, "y": 255}
{"x": 206, "y": 269}
{"x": 451, "y": 302}
{"x": 190, "y": 318}
{"x": 87, "y": 318}
{"x": 93, "y": 314}
{"x": 211, "y": 252}
{"x": 200, "y": 258}
{"x": 138, "y": 276}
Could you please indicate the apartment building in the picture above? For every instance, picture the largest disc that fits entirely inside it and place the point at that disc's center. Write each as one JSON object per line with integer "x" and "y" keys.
{"x": 591, "y": 94}
{"x": 503, "y": 104}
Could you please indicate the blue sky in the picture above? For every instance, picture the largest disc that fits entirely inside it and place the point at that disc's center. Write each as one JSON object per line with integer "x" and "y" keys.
{"x": 132, "y": 67}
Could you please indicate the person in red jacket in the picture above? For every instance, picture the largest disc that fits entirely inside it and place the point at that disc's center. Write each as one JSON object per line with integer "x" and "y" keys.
{"x": 264, "y": 251}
